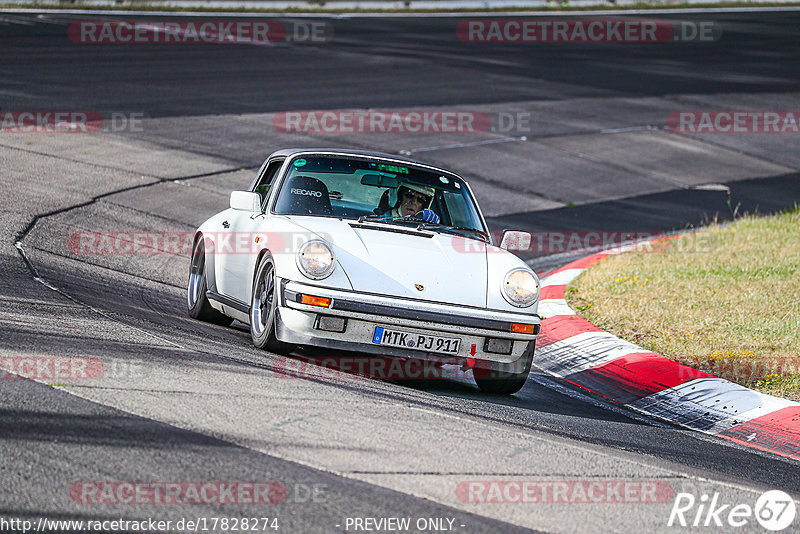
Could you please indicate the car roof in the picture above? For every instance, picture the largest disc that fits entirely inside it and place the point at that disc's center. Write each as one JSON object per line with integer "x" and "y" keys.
{"x": 287, "y": 152}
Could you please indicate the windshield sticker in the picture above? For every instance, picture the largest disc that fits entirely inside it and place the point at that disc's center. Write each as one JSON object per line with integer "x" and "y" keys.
{"x": 443, "y": 179}
{"x": 390, "y": 168}
{"x": 299, "y": 162}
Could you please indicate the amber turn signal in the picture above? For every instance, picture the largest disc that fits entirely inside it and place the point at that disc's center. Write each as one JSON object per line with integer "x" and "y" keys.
{"x": 311, "y": 300}
{"x": 520, "y": 328}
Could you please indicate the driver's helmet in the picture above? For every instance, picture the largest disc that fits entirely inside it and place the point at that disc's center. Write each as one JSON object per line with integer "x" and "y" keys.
{"x": 423, "y": 190}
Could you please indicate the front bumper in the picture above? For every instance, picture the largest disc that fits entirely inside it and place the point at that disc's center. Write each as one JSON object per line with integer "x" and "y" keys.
{"x": 296, "y": 323}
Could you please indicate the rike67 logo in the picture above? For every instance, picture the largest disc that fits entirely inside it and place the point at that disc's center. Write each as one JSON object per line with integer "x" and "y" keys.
{"x": 774, "y": 510}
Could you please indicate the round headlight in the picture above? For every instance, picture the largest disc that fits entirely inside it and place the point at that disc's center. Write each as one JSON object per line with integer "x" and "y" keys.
{"x": 315, "y": 259}
{"x": 520, "y": 287}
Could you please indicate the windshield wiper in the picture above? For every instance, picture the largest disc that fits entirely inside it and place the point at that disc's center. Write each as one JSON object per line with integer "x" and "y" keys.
{"x": 458, "y": 230}
{"x": 372, "y": 218}
{"x": 421, "y": 225}
{"x": 389, "y": 218}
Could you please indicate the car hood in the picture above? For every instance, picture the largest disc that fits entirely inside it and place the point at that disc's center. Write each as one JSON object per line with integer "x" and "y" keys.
{"x": 397, "y": 260}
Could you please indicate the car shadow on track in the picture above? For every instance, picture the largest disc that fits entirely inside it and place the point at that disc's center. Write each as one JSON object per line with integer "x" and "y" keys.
{"x": 447, "y": 382}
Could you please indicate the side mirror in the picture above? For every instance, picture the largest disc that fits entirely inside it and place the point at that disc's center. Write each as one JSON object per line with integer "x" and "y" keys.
{"x": 515, "y": 240}
{"x": 246, "y": 201}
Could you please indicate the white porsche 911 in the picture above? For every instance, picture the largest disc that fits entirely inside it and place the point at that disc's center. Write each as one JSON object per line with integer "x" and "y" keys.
{"x": 368, "y": 252}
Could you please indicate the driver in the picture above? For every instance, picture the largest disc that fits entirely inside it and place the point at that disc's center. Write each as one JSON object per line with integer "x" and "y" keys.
{"x": 412, "y": 199}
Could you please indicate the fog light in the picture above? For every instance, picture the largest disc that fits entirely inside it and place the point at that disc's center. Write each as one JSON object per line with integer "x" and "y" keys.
{"x": 330, "y": 323}
{"x": 498, "y": 346}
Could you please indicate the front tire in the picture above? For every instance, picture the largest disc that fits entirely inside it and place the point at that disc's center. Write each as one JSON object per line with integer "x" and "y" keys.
{"x": 504, "y": 382}
{"x": 499, "y": 382}
{"x": 196, "y": 301}
{"x": 263, "y": 308}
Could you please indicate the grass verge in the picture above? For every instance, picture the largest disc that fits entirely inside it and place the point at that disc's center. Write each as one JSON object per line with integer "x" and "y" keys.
{"x": 725, "y": 300}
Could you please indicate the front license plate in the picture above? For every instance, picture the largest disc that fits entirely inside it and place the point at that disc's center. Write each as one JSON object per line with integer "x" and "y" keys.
{"x": 409, "y": 340}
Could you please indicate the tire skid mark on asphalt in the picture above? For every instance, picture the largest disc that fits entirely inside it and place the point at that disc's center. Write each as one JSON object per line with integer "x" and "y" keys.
{"x": 18, "y": 241}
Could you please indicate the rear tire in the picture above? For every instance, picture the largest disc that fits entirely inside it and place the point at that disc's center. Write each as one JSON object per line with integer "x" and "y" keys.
{"x": 196, "y": 301}
{"x": 263, "y": 308}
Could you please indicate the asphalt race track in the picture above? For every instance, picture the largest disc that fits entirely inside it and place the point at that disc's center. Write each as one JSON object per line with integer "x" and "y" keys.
{"x": 184, "y": 401}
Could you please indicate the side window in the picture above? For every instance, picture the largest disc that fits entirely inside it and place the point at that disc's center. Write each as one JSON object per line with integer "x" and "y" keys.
{"x": 268, "y": 178}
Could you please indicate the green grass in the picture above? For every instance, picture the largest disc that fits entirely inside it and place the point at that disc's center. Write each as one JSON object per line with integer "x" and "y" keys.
{"x": 725, "y": 300}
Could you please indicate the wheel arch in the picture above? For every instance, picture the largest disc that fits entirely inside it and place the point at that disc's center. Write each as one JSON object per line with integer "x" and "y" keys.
{"x": 211, "y": 279}
{"x": 261, "y": 253}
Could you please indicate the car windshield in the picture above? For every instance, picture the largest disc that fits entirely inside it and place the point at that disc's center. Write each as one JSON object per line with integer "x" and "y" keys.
{"x": 350, "y": 187}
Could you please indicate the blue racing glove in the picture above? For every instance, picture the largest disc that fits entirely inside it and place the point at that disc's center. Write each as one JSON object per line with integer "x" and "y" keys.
{"x": 430, "y": 216}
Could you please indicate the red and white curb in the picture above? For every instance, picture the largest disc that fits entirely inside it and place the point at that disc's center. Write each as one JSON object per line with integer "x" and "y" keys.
{"x": 575, "y": 350}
